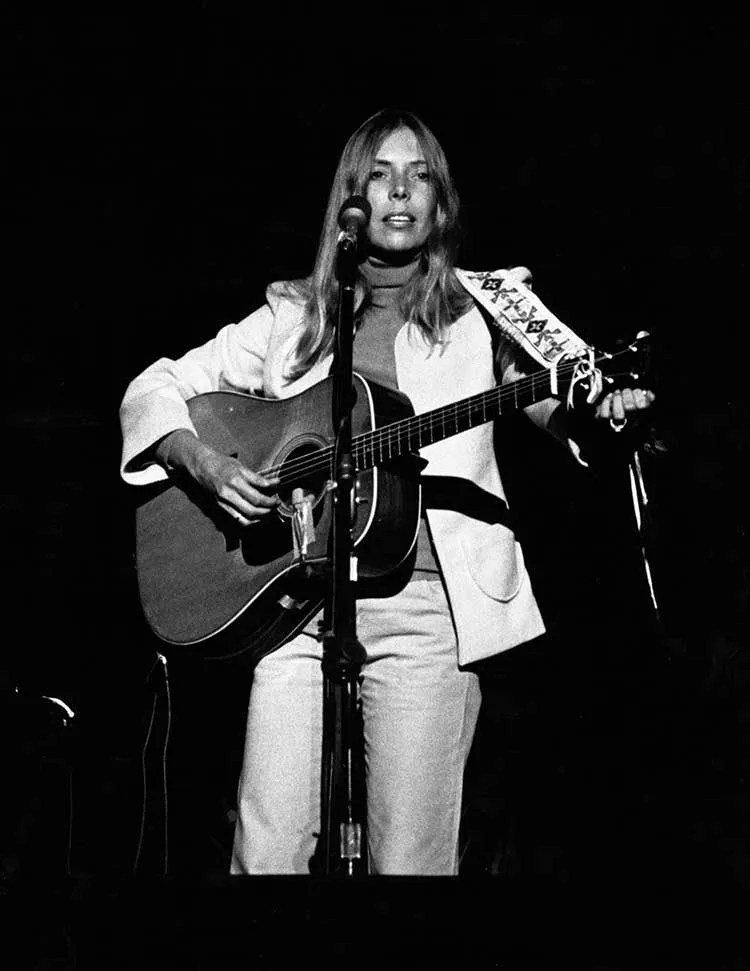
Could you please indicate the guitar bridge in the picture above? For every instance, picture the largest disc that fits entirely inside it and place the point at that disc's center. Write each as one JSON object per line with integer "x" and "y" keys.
{"x": 303, "y": 525}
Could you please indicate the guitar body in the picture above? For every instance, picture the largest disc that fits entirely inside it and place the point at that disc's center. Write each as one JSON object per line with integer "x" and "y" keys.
{"x": 209, "y": 585}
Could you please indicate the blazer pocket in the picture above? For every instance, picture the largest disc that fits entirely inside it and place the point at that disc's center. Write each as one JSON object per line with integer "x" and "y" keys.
{"x": 494, "y": 559}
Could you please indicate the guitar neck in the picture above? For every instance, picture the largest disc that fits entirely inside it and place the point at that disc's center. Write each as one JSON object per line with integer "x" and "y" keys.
{"x": 407, "y": 436}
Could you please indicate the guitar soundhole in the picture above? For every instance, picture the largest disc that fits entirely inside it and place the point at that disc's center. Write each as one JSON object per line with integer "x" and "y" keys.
{"x": 303, "y": 467}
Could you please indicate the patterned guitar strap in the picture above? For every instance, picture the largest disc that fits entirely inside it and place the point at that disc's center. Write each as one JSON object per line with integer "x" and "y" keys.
{"x": 520, "y": 314}
{"x": 516, "y": 310}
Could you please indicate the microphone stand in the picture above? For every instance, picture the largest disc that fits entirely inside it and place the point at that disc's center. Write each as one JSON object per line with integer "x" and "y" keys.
{"x": 342, "y": 850}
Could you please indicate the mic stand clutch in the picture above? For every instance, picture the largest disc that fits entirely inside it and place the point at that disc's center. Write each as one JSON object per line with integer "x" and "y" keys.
{"x": 342, "y": 848}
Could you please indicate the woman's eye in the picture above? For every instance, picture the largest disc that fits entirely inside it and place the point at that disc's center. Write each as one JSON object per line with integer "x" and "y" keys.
{"x": 376, "y": 174}
{"x": 423, "y": 176}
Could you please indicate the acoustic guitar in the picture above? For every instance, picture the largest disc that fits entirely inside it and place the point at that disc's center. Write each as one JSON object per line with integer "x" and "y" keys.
{"x": 211, "y": 586}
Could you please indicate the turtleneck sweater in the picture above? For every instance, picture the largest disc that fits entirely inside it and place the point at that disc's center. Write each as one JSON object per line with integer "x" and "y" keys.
{"x": 374, "y": 358}
{"x": 380, "y": 321}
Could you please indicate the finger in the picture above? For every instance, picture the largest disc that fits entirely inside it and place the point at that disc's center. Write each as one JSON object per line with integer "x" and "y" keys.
{"x": 604, "y": 407}
{"x": 256, "y": 498}
{"x": 250, "y": 502}
{"x": 237, "y": 496}
{"x": 617, "y": 406}
{"x": 235, "y": 514}
{"x": 641, "y": 398}
{"x": 246, "y": 513}
{"x": 260, "y": 480}
{"x": 253, "y": 488}
{"x": 636, "y": 398}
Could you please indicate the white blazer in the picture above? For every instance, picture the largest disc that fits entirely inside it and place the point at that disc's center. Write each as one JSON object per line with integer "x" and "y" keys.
{"x": 488, "y": 587}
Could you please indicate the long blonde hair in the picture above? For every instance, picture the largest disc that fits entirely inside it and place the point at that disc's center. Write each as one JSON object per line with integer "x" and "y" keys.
{"x": 432, "y": 298}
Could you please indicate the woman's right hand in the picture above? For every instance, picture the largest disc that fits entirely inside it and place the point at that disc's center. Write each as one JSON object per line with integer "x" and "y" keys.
{"x": 245, "y": 495}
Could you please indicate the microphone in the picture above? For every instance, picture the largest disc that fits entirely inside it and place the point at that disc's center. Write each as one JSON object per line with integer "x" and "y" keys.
{"x": 354, "y": 215}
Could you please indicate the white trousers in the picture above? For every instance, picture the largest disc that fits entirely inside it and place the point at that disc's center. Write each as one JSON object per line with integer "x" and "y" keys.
{"x": 419, "y": 711}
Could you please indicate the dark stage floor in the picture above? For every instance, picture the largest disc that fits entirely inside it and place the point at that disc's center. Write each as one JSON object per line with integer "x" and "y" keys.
{"x": 606, "y": 826}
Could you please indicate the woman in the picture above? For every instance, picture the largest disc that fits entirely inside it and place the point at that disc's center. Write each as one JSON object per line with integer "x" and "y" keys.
{"x": 419, "y": 329}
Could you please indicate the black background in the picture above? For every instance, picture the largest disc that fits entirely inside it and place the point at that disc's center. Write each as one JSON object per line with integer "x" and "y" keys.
{"x": 161, "y": 169}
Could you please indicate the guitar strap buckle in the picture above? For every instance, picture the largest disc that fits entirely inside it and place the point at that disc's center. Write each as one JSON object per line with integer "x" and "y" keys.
{"x": 303, "y": 524}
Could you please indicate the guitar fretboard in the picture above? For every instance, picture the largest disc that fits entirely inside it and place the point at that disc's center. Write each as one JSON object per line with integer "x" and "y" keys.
{"x": 410, "y": 434}
{"x": 407, "y": 436}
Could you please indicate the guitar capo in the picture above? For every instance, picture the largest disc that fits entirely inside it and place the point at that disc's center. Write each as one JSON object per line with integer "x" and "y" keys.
{"x": 585, "y": 370}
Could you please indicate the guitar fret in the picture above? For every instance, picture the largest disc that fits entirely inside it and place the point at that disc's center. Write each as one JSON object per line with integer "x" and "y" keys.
{"x": 411, "y": 434}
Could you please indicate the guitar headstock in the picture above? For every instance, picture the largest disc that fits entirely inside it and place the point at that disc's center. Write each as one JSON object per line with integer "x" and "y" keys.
{"x": 605, "y": 371}
{"x": 629, "y": 365}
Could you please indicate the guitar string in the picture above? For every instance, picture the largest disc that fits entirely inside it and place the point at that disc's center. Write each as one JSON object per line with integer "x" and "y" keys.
{"x": 379, "y": 440}
{"x": 391, "y": 435}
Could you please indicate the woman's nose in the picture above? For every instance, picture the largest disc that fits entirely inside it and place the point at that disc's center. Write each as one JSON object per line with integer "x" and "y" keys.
{"x": 399, "y": 188}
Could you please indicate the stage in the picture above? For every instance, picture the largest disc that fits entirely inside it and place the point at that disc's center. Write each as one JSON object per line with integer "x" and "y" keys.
{"x": 164, "y": 170}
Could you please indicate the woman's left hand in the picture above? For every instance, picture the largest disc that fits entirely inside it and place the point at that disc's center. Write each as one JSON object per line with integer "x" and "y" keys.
{"x": 618, "y": 406}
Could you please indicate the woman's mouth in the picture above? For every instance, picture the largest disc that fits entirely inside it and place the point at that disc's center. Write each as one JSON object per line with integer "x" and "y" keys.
{"x": 399, "y": 219}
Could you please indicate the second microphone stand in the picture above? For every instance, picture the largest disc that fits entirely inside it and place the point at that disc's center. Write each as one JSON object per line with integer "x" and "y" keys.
{"x": 343, "y": 798}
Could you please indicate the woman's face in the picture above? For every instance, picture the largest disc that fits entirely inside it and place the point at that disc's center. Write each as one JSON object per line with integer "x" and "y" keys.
{"x": 401, "y": 195}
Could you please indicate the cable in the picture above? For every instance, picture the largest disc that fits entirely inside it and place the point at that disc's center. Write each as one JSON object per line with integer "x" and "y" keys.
{"x": 143, "y": 778}
{"x": 164, "y": 763}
